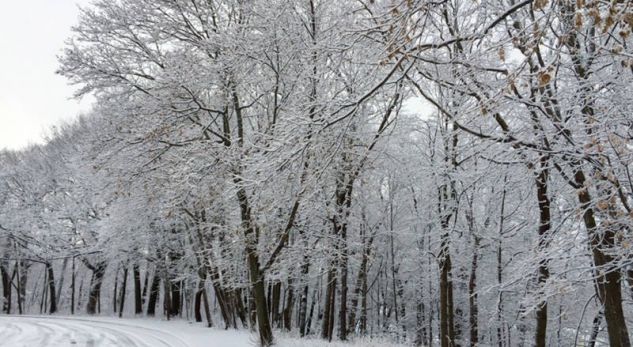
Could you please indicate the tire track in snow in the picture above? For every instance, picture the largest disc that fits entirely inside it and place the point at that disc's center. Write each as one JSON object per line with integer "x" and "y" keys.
{"x": 38, "y": 331}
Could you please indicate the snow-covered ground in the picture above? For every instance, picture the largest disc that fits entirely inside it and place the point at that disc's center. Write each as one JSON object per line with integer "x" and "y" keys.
{"x": 63, "y": 331}
{"x": 59, "y": 331}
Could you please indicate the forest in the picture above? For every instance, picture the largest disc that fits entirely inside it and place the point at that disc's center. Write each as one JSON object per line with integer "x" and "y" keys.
{"x": 431, "y": 172}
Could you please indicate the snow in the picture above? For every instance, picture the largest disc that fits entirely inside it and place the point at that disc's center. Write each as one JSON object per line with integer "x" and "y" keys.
{"x": 58, "y": 331}
{"x": 73, "y": 331}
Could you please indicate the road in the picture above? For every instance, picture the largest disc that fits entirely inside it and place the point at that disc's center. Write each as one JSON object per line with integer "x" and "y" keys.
{"x": 44, "y": 331}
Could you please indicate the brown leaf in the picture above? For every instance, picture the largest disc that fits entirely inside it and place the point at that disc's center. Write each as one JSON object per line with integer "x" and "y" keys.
{"x": 539, "y": 4}
{"x": 578, "y": 21}
{"x": 544, "y": 78}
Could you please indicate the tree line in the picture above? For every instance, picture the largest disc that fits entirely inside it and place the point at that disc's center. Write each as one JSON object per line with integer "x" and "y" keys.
{"x": 452, "y": 173}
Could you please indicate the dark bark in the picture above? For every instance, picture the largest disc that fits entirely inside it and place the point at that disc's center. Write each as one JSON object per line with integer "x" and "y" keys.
{"x": 308, "y": 323}
{"x": 240, "y": 308}
{"x": 138, "y": 300}
{"x": 81, "y": 290}
{"x": 60, "y": 285}
{"x": 259, "y": 296}
{"x": 595, "y": 330}
{"x": 202, "y": 277}
{"x": 98, "y": 272}
{"x": 44, "y": 300}
{"x": 361, "y": 279}
{"x": 223, "y": 298}
{"x": 256, "y": 276}
{"x": 543, "y": 232}
{"x": 447, "y": 336}
{"x": 608, "y": 281}
{"x": 327, "y": 327}
{"x": 72, "y": 288}
{"x": 303, "y": 310}
{"x": 115, "y": 290}
{"x": 275, "y": 302}
{"x": 167, "y": 297}
{"x": 176, "y": 292}
{"x": 202, "y": 298}
{"x": 153, "y": 294}
{"x": 252, "y": 311}
{"x": 197, "y": 304}
{"x": 207, "y": 310}
{"x": 145, "y": 285}
{"x": 500, "y": 320}
{"x": 363, "y": 306}
{"x": 344, "y": 275}
{"x": 289, "y": 305}
{"x": 23, "y": 281}
{"x": 6, "y": 288}
{"x": 630, "y": 281}
{"x": 447, "y": 211}
{"x": 472, "y": 297}
{"x": 19, "y": 290}
{"x": 420, "y": 333}
{"x": 123, "y": 288}
{"x": 51, "y": 289}
{"x": 303, "y": 300}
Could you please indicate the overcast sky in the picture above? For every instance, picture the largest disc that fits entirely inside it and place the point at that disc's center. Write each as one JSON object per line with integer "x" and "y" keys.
{"x": 32, "y": 97}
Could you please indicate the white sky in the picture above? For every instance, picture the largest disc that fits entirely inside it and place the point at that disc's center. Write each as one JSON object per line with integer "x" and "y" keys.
{"x": 32, "y": 97}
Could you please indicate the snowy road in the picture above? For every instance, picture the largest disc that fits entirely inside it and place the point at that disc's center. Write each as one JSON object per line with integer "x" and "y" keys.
{"x": 86, "y": 331}
{"x": 41, "y": 331}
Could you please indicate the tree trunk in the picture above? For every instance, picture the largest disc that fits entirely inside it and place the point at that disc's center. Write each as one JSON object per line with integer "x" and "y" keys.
{"x": 223, "y": 299}
{"x": 500, "y": 320}
{"x": 72, "y": 288}
{"x": 629, "y": 279}
{"x": 303, "y": 300}
{"x": 256, "y": 276}
{"x": 95, "y": 287}
{"x": 290, "y": 302}
{"x": 329, "y": 305}
{"x": 607, "y": 281}
{"x": 115, "y": 290}
{"x": 81, "y": 290}
{"x": 153, "y": 294}
{"x": 167, "y": 296}
{"x": 176, "y": 291}
{"x": 447, "y": 336}
{"x": 240, "y": 308}
{"x": 62, "y": 276}
{"x": 543, "y": 233}
{"x": 202, "y": 277}
{"x": 145, "y": 285}
{"x": 138, "y": 300}
{"x": 275, "y": 302}
{"x": 363, "y": 306}
{"x": 342, "y": 319}
{"x": 207, "y": 311}
{"x": 361, "y": 279}
{"x": 198, "y": 303}
{"x": 19, "y": 290}
{"x": 308, "y": 323}
{"x": 44, "y": 300}
{"x": 472, "y": 297}
{"x": 595, "y": 329}
{"x": 122, "y": 296}
{"x": 259, "y": 297}
{"x": 51, "y": 288}
{"x": 420, "y": 332}
{"x": 6, "y": 289}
